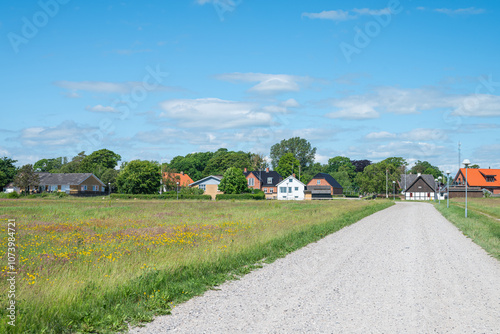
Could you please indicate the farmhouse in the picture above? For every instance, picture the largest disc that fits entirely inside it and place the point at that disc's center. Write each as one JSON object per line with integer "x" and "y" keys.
{"x": 171, "y": 179}
{"x": 418, "y": 186}
{"x": 291, "y": 189}
{"x": 71, "y": 183}
{"x": 323, "y": 185}
{"x": 483, "y": 178}
{"x": 266, "y": 181}
{"x": 210, "y": 185}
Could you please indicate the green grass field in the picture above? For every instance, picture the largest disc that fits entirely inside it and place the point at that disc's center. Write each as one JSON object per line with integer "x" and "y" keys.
{"x": 484, "y": 230}
{"x": 94, "y": 265}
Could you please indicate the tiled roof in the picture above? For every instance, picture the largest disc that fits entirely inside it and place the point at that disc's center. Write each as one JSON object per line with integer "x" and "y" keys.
{"x": 183, "y": 179}
{"x": 64, "y": 178}
{"x": 477, "y": 177}
{"x": 263, "y": 176}
{"x": 328, "y": 178}
{"x": 412, "y": 178}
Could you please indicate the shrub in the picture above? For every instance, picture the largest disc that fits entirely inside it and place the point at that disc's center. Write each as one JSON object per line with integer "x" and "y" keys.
{"x": 13, "y": 195}
{"x": 164, "y": 196}
{"x": 225, "y": 197}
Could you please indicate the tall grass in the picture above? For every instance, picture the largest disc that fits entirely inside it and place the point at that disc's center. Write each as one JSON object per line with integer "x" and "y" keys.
{"x": 96, "y": 265}
{"x": 483, "y": 230}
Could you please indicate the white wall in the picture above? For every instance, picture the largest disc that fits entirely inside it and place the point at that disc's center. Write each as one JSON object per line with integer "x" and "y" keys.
{"x": 294, "y": 189}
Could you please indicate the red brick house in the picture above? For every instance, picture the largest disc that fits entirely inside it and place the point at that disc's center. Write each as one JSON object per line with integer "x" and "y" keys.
{"x": 264, "y": 180}
{"x": 321, "y": 182}
{"x": 483, "y": 178}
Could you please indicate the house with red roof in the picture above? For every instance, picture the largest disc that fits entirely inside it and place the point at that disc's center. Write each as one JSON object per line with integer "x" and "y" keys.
{"x": 171, "y": 179}
{"x": 483, "y": 178}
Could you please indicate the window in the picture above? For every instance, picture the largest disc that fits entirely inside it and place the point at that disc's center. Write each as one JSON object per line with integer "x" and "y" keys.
{"x": 264, "y": 190}
{"x": 202, "y": 187}
{"x": 271, "y": 190}
{"x": 296, "y": 196}
{"x": 290, "y": 180}
{"x": 283, "y": 189}
{"x": 95, "y": 188}
{"x": 251, "y": 182}
{"x": 296, "y": 188}
{"x": 290, "y": 190}
{"x": 318, "y": 182}
{"x": 269, "y": 180}
{"x": 84, "y": 188}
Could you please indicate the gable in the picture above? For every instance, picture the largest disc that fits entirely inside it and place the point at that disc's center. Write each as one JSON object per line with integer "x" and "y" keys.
{"x": 420, "y": 186}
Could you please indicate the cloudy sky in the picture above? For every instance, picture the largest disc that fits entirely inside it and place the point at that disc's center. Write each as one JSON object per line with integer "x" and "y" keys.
{"x": 156, "y": 79}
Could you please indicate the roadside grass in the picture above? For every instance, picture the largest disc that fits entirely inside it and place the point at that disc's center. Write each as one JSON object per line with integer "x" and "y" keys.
{"x": 98, "y": 265}
{"x": 483, "y": 230}
{"x": 490, "y": 206}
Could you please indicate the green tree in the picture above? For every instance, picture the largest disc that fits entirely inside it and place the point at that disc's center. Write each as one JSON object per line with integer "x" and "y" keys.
{"x": 258, "y": 162}
{"x": 109, "y": 178}
{"x": 340, "y": 163}
{"x": 26, "y": 179}
{"x": 74, "y": 165}
{"x": 288, "y": 165}
{"x": 299, "y": 147}
{"x": 343, "y": 179}
{"x": 7, "y": 171}
{"x": 139, "y": 177}
{"x": 373, "y": 178}
{"x": 221, "y": 161}
{"x": 98, "y": 162}
{"x": 474, "y": 166}
{"x": 233, "y": 182}
{"x": 424, "y": 167}
{"x": 49, "y": 165}
{"x": 192, "y": 164}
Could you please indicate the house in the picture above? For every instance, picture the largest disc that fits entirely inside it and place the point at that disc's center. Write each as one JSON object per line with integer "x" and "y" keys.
{"x": 265, "y": 180}
{"x": 483, "y": 178}
{"x": 210, "y": 185}
{"x": 71, "y": 183}
{"x": 291, "y": 189}
{"x": 172, "y": 179}
{"x": 421, "y": 187}
{"x": 10, "y": 188}
{"x": 323, "y": 185}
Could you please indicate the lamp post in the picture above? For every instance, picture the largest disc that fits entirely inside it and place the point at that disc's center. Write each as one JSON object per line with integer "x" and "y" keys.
{"x": 435, "y": 189}
{"x": 439, "y": 189}
{"x": 466, "y": 163}
{"x": 109, "y": 188}
{"x": 448, "y": 188}
{"x": 177, "y": 190}
{"x": 393, "y": 190}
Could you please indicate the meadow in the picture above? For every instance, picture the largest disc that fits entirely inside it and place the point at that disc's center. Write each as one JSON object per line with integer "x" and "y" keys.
{"x": 101, "y": 264}
{"x": 482, "y": 224}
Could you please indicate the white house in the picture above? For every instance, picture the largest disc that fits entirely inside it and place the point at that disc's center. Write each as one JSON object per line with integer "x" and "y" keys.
{"x": 291, "y": 189}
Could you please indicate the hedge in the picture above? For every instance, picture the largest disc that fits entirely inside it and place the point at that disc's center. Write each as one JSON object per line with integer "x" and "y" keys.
{"x": 168, "y": 196}
{"x": 224, "y": 197}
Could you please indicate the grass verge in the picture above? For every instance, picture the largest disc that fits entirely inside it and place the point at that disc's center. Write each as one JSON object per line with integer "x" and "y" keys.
{"x": 483, "y": 230}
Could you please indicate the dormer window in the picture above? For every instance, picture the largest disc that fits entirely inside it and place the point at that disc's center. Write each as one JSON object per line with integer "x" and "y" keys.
{"x": 269, "y": 180}
{"x": 490, "y": 178}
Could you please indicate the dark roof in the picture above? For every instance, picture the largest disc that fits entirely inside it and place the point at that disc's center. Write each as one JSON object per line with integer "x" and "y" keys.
{"x": 64, "y": 178}
{"x": 264, "y": 175}
{"x": 216, "y": 177}
{"x": 412, "y": 178}
{"x": 329, "y": 179}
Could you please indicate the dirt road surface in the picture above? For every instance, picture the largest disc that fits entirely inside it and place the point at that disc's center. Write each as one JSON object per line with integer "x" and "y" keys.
{"x": 405, "y": 269}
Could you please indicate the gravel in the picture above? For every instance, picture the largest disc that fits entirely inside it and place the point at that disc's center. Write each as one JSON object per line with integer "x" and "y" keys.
{"x": 405, "y": 269}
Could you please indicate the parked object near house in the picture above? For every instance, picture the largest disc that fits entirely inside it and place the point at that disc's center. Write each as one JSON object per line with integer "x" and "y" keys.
{"x": 323, "y": 185}
{"x": 265, "y": 180}
{"x": 10, "y": 188}
{"x": 71, "y": 183}
{"x": 483, "y": 178}
{"x": 210, "y": 185}
{"x": 291, "y": 189}
{"x": 421, "y": 187}
{"x": 172, "y": 179}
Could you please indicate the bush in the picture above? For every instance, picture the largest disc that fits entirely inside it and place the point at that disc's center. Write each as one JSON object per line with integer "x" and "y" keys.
{"x": 164, "y": 196}
{"x": 13, "y": 195}
{"x": 60, "y": 194}
{"x": 257, "y": 196}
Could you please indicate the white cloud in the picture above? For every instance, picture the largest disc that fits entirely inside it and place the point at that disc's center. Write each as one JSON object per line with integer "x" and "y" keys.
{"x": 380, "y": 135}
{"x": 290, "y": 103}
{"x": 352, "y": 108}
{"x": 344, "y": 15}
{"x": 213, "y": 113}
{"x": 479, "y": 105}
{"x": 267, "y": 83}
{"x": 64, "y": 134}
{"x": 460, "y": 11}
{"x": 108, "y": 87}
{"x": 406, "y": 149}
{"x": 101, "y": 108}
{"x": 425, "y": 135}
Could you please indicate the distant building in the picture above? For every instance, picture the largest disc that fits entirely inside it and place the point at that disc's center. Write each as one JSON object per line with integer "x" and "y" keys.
{"x": 172, "y": 179}
{"x": 483, "y": 178}
{"x": 323, "y": 186}
{"x": 265, "y": 180}
{"x": 71, "y": 183}
{"x": 210, "y": 185}
{"x": 420, "y": 187}
{"x": 291, "y": 189}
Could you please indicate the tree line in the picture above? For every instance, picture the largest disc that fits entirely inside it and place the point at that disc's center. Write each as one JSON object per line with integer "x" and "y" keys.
{"x": 290, "y": 156}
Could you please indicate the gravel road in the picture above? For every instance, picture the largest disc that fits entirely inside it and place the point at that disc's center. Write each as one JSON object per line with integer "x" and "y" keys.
{"x": 405, "y": 269}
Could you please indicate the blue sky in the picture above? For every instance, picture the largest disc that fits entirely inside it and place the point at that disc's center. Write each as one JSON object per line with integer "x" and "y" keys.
{"x": 156, "y": 79}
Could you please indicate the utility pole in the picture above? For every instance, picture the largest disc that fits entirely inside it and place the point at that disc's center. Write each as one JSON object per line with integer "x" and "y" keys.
{"x": 459, "y": 153}
{"x": 386, "y": 181}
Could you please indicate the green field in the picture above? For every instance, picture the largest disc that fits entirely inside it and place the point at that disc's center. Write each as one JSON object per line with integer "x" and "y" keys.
{"x": 94, "y": 265}
{"x": 482, "y": 224}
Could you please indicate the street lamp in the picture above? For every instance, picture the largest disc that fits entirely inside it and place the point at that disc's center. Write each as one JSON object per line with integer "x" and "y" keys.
{"x": 466, "y": 163}
{"x": 435, "y": 189}
{"x": 109, "y": 188}
{"x": 439, "y": 189}
{"x": 393, "y": 190}
{"x": 448, "y": 188}
{"x": 177, "y": 190}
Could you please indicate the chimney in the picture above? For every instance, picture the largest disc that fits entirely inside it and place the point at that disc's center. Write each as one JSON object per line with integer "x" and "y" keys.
{"x": 293, "y": 174}
{"x": 182, "y": 173}
{"x": 245, "y": 170}
{"x": 419, "y": 174}
{"x": 267, "y": 169}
